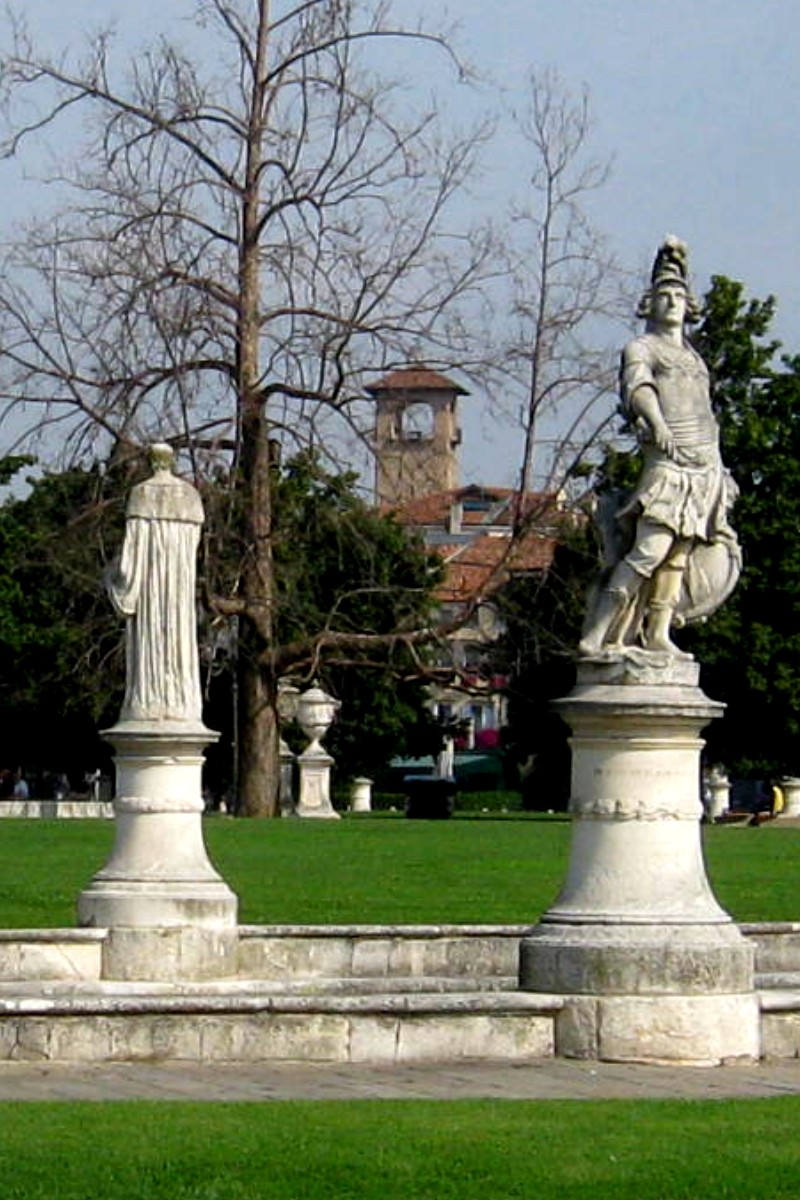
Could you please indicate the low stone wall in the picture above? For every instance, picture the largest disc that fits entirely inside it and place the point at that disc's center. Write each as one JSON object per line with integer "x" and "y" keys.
{"x": 354, "y": 993}
{"x": 57, "y": 809}
{"x": 27, "y": 955}
{"x": 462, "y": 952}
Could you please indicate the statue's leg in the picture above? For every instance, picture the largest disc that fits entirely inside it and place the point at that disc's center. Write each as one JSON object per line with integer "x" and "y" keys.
{"x": 612, "y": 621}
{"x": 663, "y": 601}
{"x": 606, "y": 624}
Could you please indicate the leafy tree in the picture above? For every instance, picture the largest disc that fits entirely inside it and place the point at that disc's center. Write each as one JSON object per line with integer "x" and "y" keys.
{"x": 542, "y": 614}
{"x": 60, "y": 663}
{"x": 750, "y": 649}
{"x": 337, "y": 561}
{"x": 343, "y": 567}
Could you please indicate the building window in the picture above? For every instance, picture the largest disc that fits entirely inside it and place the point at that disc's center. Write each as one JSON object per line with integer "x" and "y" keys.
{"x": 418, "y": 423}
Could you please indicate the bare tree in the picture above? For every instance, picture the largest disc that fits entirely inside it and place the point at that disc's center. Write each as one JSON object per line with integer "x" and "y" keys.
{"x": 237, "y": 244}
{"x": 565, "y": 284}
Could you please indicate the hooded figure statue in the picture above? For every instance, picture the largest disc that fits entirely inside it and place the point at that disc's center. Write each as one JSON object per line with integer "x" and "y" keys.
{"x": 152, "y": 585}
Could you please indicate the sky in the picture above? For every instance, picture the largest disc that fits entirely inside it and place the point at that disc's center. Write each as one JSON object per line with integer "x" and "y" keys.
{"x": 696, "y": 104}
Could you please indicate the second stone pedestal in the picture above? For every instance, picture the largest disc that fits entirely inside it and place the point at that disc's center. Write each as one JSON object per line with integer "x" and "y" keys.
{"x": 168, "y": 912}
{"x": 651, "y": 967}
{"x": 315, "y": 785}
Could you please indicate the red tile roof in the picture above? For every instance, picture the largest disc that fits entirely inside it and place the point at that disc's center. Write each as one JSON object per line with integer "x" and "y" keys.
{"x": 415, "y": 379}
{"x": 487, "y": 559}
{"x": 488, "y": 562}
{"x": 434, "y": 508}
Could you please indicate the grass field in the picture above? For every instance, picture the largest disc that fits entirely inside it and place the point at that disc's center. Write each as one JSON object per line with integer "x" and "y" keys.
{"x": 388, "y": 1150}
{"x": 367, "y": 870}
{"x": 393, "y": 870}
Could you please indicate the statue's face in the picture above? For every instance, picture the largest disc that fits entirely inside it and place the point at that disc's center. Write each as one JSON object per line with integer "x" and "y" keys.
{"x": 668, "y": 306}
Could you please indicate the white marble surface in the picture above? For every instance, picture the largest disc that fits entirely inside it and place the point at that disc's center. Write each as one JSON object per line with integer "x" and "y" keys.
{"x": 671, "y": 554}
{"x": 152, "y": 585}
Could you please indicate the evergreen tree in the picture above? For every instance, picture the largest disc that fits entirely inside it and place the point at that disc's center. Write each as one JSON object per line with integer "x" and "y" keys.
{"x": 750, "y": 649}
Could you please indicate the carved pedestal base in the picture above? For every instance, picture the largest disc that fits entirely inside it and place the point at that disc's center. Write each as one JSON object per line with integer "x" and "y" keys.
{"x": 170, "y": 914}
{"x": 651, "y": 967}
{"x": 315, "y": 785}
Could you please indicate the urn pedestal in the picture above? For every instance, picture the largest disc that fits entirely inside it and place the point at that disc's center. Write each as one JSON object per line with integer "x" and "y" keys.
{"x": 170, "y": 915}
{"x": 651, "y": 967}
{"x": 790, "y": 786}
{"x": 719, "y": 794}
{"x": 315, "y": 713}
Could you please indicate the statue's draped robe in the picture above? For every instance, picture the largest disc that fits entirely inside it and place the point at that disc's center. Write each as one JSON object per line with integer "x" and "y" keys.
{"x": 153, "y": 587}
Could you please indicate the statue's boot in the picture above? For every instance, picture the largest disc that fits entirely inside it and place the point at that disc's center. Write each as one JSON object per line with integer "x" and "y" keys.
{"x": 661, "y": 610}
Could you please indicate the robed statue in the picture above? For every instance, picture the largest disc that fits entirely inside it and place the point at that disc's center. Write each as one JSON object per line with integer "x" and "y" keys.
{"x": 676, "y": 557}
{"x": 152, "y": 585}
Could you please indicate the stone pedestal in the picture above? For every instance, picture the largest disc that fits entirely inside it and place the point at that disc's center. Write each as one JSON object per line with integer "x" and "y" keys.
{"x": 315, "y": 784}
{"x": 790, "y": 786}
{"x": 287, "y": 760}
{"x": 719, "y": 792}
{"x": 361, "y": 795}
{"x": 315, "y": 713}
{"x": 170, "y": 914}
{"x": 651, "y": 967}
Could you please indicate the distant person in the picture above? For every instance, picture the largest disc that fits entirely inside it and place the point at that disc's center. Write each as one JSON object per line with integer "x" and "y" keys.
{"x": 21, "y": 789}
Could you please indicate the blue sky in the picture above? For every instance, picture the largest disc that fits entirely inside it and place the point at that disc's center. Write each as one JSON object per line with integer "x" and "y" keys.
{"x": 697, "y": 104}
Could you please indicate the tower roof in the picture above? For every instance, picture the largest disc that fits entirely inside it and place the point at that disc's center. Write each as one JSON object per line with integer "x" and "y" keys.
{"x": 415, "y": 379}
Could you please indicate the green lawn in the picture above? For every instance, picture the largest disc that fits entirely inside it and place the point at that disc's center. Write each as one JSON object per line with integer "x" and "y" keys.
{"x": 388, "y": 1150}
{"x": 382, "y": 870}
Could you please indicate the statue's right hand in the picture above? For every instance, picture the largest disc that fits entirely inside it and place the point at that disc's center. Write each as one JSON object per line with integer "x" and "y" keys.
{"x": 664, "y": 439}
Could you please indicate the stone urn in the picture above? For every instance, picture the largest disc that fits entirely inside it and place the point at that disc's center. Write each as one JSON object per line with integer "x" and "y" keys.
{"x": 314, "y": 714}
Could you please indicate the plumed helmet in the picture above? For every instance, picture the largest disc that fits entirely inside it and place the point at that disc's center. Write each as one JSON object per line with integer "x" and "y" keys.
{"x": 671, "y": 269}
{"x": 671, "y": 264}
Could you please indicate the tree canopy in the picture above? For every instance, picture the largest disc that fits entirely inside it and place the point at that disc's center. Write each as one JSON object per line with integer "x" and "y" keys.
{"x": 338, "y": 561}
{"x": 750, "y": 649}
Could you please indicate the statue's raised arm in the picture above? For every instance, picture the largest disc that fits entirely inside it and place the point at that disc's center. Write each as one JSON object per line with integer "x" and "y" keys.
{"x": 153, "y": 586}
{"x": 681, "y": 560}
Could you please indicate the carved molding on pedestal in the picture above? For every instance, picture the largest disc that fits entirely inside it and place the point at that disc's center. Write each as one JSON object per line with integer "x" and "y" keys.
{"x": 605, "y": 808}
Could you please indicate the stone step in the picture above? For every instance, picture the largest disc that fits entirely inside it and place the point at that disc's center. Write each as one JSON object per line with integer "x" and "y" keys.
{"x": 778, "y": 981}
{"x": 780, "y": 1022}
{"x": 109, "y": 1024}
{"x": 777, "y": 945}
{"x": 59, "y": 989}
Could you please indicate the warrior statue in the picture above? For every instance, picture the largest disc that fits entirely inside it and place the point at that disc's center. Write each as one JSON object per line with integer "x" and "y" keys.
{"x": 680, "y": 559}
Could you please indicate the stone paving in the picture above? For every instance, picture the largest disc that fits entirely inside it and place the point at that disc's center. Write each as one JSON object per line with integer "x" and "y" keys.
{"x": 545, "y": 1079}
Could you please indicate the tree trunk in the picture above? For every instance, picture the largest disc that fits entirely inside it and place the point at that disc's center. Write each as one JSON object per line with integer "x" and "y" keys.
{"x": 259, "y": 760}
